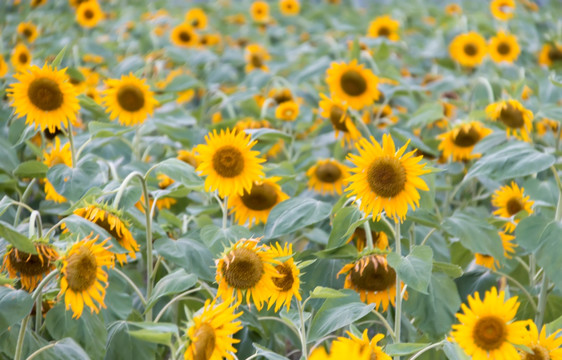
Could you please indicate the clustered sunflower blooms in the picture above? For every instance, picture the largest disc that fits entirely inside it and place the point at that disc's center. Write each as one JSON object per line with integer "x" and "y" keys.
{"x": 510, "y": 200}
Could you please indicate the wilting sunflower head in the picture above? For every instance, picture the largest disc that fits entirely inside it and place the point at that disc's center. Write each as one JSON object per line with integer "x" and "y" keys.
{"x": 486, "y": 329}
{"x": 375, "y": 352}
{"x": 336, "y": 111}
{"x": 385, "y": 27}
{"x": 327, "y": 176}
{"x": 359, "y": 236}
{"x": 352, "y": 84}
{"x": 287, "y": 111}
{"x": 373, "y": 279}
{"x": 550, "y": 54}
{"x": 385, "y": 179}
{"x": 210, "y": 334}
{"x": 542, "y": 347}
{"x": 30, "y": 268}
{"x": 259, "y": 11}
{"x": 518, "y": 121}
{"x": 288, "y": 281}
{"x": 289, "y": 7}
{"x": 460, "y": 141}
{"x": 502, "y": 9}
{"x": 504, "y": 47}
{"x": 253, "y": 207}
{"x": 256, "y": 56}
{"x": 510, "y": 200}
{"x": 184, "y": 35}
{"x": 129, "y": 99}
{"x": 246, "y": 269}
{"x": 197, "y": 18}
{"x": 229, "y": 162}
{"x": 468, "y": 49}
{"x": 281, "y": 95}
{"x": 83, "y": 278}
{"x": 89, "y": 14}
{"x": 28, "y": 31}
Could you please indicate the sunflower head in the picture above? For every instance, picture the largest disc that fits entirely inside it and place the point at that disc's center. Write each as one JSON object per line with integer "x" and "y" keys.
{"x": 453, "y": 9}
{"x": 460, "y": 141}
{"x": 502, "y": 9}
{"x": 188, "y": 157}
{"x": 504, "y": 47}
{"x": 327, "y": 176}
{"x": 288, "y": 281}
{"x": 184, "y": 35}
{"x": 375, "y": 352}
{"x": 55, "y": 155}
{"x": 89, "y": 14}
{"x": 287, "y": 111}
{"x": 289, "y": 7}
{"x": 550, "y": 54}
{"x": 468, "y": 49}
{"x": 31, "y": 268}
{"x": 385, "y": 27}
{"x": 256, "y": 56}
{"x": 336, "y": 111}
{"x": 352, "y": 84}
{"x": 518, "y": 121}
{"x": 542, "y": 347}
{"x": 359, "y": 236}
{"x": 510, "y": 200}
{"x": 259, "y": 11}
{"x": 3, "y": 67}
{"x": 28, "y": 31}
{"x": 197, "y": 18}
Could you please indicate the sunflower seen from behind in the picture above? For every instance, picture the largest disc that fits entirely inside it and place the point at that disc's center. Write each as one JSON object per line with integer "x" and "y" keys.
{"x": 510, "y": 200}
{"x": 129, "y": 100}
{"x": 327, "y": 176}
{"x": 542, "y": 347}
{"x": 468, "y": 49}
{"x": 486, "y": 329}
{"x": 502, "y": 9}
{"x": 363, "y": 342}
{"x": 504, "y": 48}
{"x": 384, "y": 27}
{"x": 30, "y": 268}
{"x": 288, "y": 281}
{"x": 184, "y": 35}
{"x": 353, "y": 84}
{"x": 460, "y": 141}
{"x": 336, "y": 111}
{"x": 55, "y": 155}
{"x": 89, "y": 14}
{"x": 517, "y": 119}
{"x": 28, "y": 31}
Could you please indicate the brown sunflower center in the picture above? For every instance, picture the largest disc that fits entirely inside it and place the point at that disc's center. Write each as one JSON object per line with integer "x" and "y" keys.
{"x": 384, "y": 31}
{"x": 81, "y": 270}
{"x": 130, "y": 98}
{"x": 27, "y": 32}
{"x": 554, "y": 54}
{"x": 489, "y": 333}
{"x": 386, "y": 176}
{"x": 466, "y": 138}
{"x": 74, "y": 81}
{"x": 242, "y": 268}
{"x": 539, "y": 353}
{"x": 185, "y": 36}
{"x": 89, "y": 14}
{"x": 228, "y": 161}
{"x": 205, "y": 343}
{"x": 28, "y": 264}
{"x": 328, "y": 173}
{"x": 284, "y": 283}
{"x": 470, "y": 49}
{"x": 513, "y": 206}
{"x": 45, "y": 94}
{"x": 195, "y": 22}
{"x": 361, "y": 237}
{"x": 512, "y": 117}
{"x": 282, "y": 96}
{"x": 373, "y": 277}
{"x": 51, "y": 135}
{"x": 353, "y": 83}
{"x": 336, "y": 117}
{"x": 256, "y": 60}
{"x": 261, "y": 197}
{"x": 504, "y": 48}
{"x": 104, "y": 224}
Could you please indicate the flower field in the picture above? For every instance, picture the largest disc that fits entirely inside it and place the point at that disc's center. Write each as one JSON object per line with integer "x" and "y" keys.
{"x": 281, "y": 179}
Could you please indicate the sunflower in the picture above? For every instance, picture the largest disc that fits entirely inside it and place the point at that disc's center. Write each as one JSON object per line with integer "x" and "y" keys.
{"x": 517, "y": 120}
{"x": 280, "y": 95}
{"x": 542, "y": 347}
{"x": 342, "y": 350}
{"x": 353, "y": 84}
{"x": 228, "y": 160}
{"x": 111, "y": 220}
{"x": 386, "y": 179}
{"x": 502, "y": 9}
{"x": 289, "y": 7}
{"x": 249, "y": 123}
{"x": 508, "y": 249}
{"x": 287, "y": 111}
{"x": 188, "y": 157}
{"x": 3, "y": 67}
{"x": 386, "y": 116}
{"x": 336, "y": 110}
{"x": 128, "y": 99}
{"x": 504, "y": 47}
{"x": 486, "y": 330}
{"x": 21, "y": 58}
{"x": 89, "y": 14}
{"x": 460, "y": 141}
{"x": 31, "y": 268}
{"x": 468, "y": 49}
{"x": 547, "y": 125}
{"x": 510, "y": 200}
{"x": 255, "y": 205}
{"x": 375, "y": 351}
{"x": 373, "y": 279}
{"x": 78, "y": 80}
{"x": 210, "y": 39}
{"x": 28, "y": 31}
{"x": 256, "y": 56}
{"x": 550, "y": 53}
{"x": 54, "y": 155}
{"x": 197, "y": 18}
{"x": 184, "y": 35}
{"x": 259, "y": 11}
{"x": 327, "y": 176}
{"x": 380, "y": 239}
{"x": 453, "y": 9}
{"x": 526, "y": 92}
{"x": 210, "y": 333}
{"x": 384, "y": 26}
{"x": 249, "y": 268}
{"x": 288, "y": 282}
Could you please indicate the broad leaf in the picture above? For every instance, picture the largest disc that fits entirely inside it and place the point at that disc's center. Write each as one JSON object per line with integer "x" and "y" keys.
{"x": 294, "y": 214}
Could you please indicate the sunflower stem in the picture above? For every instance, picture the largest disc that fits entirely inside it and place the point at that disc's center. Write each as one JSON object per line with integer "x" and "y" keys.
{"x": 385, "y": 323}
{"x": 35, "y": 219}
{"x": 21, "y": 203}
{"x": 21, "y": 336}
{"x": 368, "y": 235}
{"x": 398, "y": 314}
{"x": 71, "y": 140}
{"x": 542, "y": 302}
{"x": 148, "y": 216}
{"x": 520, "y": 286}
{"x": 38, "y": 313}
{"x": 558, "y": 215}
{"x": 429, "y": 347}
{"x": 136, "y": 143}
{"x": 124, "y": 186}
{"x": 132, "y": 283}
{"x": 171, "y": 302}
{"x": 302, "y": 331}
{"x": 224, "y": 210}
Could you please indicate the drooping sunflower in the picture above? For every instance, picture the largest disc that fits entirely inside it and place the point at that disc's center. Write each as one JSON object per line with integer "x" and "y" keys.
{"x": 373, "y": 279}
{"x": 197, "y": 18}
{"x": 546, "y": 125}
{"x": 550, "y": 54}
{"x": 510, "y": 200}
{"x": 359, "y": 236}
{"x": 502, "y": 9}
{"x": 504, "y": 47}
{"x": 89, "y": 14}
{"x": 487, "y": 330}
{"x": 386, "y": 179}
{"x": 28, "y": 31}
{"x": 211, "y": 333}
{"x": 44, "y": 97}
{"x": 468, "y": 49}
{"x": 517, "y": 120}
{"x": 327, "y": 176}
{"x": 229, "y": 162}
{"x": 287, "y": 111}
{"x": 384, "y": 26}
{"x": 184, "y": 35}
{"x": 460, "y": 141}
{"x": 128, "y": 99}
{"x": 281, "y": 95}
{"x": 352, "y": 84}
{"x": 246, "y": 270}
{"x": 31, "y": 268}
{"x": 111, "y": 220}
{"x": 289, "y": 7}
{"x": 542, "y": 347}
{"x": 254, "y": 206}
{"x": 259, "y": 11}
{"x": 83, "y": 278}
{"x": 3, "y": 67}
{"x": 54, "y": 155}
{"x": 375, "y": 351}
{"x": 508, "y": 249}
{"x": 288, "y": 283}
{"x": 336, "y": 111}
{"x": 256, "y": 56}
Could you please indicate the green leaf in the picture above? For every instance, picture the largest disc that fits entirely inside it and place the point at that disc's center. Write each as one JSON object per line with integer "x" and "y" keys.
{"x": 342, "y": 224}
{"x": 268, "y": 354}
{"x": 426, "y": 114}
{"x": 453, "y": 270}
{"x": 355, "y": 49}
{"x": 5, "y": 203}
{"x": 267, "y": 134}
{"x": 511, "y": 160}
{"x": 189, "y": 254}
{"x": 74, "y": 182}
{"x": 157, "y": 333}
{"x": 96, "y": 109}
{"x": 58, "y": 59}
{"x": 554, "y": 326}
{"x": 454, "y": 351}
{"x": 31, "y": 169}
{"x": 121, "y": 345}
{"x": 294, "y": 214}
{"x": 529, "y": 231}
{"x": 549, "y": 252}
{"x": 14, "y": 306}
{"x": 321, "y": 292}
{"x": 65, "y": 349}
{"x": 171, "y": 284}
{"x": 181, "y": 83}
{"x": 100, "y": 129}
{"x": 404, "y": 348}
{"x": 181, "y": 172}
{"x": 21, "y": 242}
{"x": 414, "y": 269}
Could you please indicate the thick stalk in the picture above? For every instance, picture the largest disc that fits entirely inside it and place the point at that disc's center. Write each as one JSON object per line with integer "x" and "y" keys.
{"x": 368, "y": 235}
{"x": 302, "y": 331}
{"x": 71, "y": 141}
{"x": 132, "y": 284}
{"x": 23, "y": 198}
{"x": 148, "y": 216}
{"x": 542, "y": 301}
{"x": 398, "y": 314}
{"x": 432, "y": 346}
